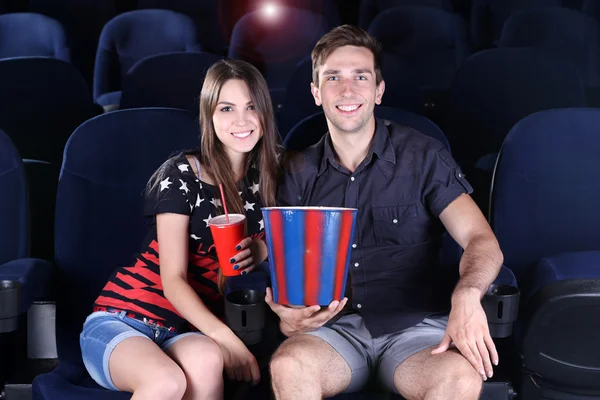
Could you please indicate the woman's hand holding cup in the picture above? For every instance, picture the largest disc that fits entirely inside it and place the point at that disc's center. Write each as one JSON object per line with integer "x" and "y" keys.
{"x": 252, "y": 252}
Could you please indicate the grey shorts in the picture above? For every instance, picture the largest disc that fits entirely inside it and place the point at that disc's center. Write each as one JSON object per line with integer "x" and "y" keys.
{"x": 365, "y": 354}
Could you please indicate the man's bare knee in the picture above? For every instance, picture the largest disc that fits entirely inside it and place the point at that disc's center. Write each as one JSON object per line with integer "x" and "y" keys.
{"x": 457, "y": 381}
{"x": 464, "y": 380}
{"x": 294, "y": 357}
{"x": 446, "y": 376}
{"x": 308, "y": 364}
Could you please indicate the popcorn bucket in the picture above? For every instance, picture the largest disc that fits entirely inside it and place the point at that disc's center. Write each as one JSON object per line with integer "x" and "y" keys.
{"x": 309, "y": 253}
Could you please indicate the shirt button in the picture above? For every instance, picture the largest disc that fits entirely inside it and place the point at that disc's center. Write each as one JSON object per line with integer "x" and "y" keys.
{"x": 352, "y": 178}
{"x": 359, "y": 306}
{"x": 353, "y": 245}
{"x": 460, "y": 175}
{"x": 356, "y": 265}
{"x": 395, "y": 221}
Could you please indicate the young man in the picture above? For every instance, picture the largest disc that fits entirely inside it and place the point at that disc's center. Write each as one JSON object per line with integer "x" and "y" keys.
{"x": 407, "y": 189}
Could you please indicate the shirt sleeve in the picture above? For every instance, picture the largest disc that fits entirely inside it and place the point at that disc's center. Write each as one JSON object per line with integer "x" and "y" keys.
{"x": 444, "y": 181}
{"x": 174, "y": 192}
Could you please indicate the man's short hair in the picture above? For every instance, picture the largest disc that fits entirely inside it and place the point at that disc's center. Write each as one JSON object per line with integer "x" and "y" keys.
{"x": 345, "y": 35}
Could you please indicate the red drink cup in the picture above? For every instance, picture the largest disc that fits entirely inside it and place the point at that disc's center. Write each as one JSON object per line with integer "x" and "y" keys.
{"x": 226, "y": 237}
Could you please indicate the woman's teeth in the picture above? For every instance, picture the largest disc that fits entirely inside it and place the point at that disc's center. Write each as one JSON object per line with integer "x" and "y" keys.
{"x": 241, "y": 135}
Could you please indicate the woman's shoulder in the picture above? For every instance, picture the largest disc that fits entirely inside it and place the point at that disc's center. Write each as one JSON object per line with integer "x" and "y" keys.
{"x": 180, "y": 165}
{"x": 176, "y": 169}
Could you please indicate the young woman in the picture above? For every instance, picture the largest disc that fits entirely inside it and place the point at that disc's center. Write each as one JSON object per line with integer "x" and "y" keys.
{"x": 139, "y": 339}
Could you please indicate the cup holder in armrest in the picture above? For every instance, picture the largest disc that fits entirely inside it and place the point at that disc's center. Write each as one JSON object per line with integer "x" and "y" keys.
{"x": 501, "y": 305}
{"x": 10, "y": 305}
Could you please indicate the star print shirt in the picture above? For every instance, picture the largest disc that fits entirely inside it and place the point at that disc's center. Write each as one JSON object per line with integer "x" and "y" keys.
{"x": 137, "y": 288}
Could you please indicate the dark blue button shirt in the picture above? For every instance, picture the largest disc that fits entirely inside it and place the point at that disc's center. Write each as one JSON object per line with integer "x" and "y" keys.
{"x": 400, "y": 189}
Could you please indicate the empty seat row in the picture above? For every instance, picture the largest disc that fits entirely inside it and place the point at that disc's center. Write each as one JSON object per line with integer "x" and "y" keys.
{"x": 44, "y": 100}
{"x": 214, "y": 20}
{"x": 423, "y": 46}
{"x": 427, "y": 46}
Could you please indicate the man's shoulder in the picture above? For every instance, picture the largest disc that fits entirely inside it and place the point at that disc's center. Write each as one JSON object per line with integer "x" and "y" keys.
{"x": 407, "y": 137}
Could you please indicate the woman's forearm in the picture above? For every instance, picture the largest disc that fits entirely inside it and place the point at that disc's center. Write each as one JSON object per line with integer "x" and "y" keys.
{"x": 187, "y": 302}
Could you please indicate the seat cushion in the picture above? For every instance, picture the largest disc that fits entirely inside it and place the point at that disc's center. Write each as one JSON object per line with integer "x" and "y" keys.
{"x": 68, "y": 382}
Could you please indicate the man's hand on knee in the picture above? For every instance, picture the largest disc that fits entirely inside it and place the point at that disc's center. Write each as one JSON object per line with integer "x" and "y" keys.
{"x": 295, "y": 320}
{"x": 468, "y": 329}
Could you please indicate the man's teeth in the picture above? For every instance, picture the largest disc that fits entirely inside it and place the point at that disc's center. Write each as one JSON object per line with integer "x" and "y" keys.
{"x": 348, "y": 108}
{"x": 241, "y": 135}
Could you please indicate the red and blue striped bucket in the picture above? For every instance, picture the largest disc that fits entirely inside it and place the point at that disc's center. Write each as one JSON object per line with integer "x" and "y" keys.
{"x": 309, "y": 253}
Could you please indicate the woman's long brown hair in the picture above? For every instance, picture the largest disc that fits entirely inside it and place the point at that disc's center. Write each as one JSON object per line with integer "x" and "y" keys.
{"x": 264, "y": 155}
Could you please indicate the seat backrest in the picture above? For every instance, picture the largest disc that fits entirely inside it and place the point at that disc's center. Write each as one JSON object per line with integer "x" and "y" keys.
{"x": 311, "y": 129}
{"x": 83, "y": 21}
{"x": 488, "y": 17}
{"x": 14, "y": 204}
{"x": 415, "y": 121}
{"x": 574, "y": 4}
{"x": 134, "y": 35}
{"x": 275, "y": 43}
{"x": 42, "y": 101}
{"x": 431, "y": 39}
{"x": 171, "y": 80}
{"x": 213, "y": 19}
{"x": 327, "y": 10}
{"x": 369, "y": 9}
{"x": 545, "y": 194}
{"x": 402, "y": 78}
{"x": 99, "y": 219}
{"x": 495, "y": 89}
{"x": 559, "y": 32}
{"x": 592, "y": 8}
{"x": 298, "y": 102}
{"x": 29, "y": 34}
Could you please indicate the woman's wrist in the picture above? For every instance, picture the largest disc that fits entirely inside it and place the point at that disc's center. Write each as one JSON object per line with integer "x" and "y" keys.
{"x": 261, "y": 250}
{"x": 218, "y": 331}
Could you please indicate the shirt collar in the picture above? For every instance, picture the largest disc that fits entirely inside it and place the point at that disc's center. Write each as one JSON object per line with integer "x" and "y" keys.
{"x": 381, "y": 147}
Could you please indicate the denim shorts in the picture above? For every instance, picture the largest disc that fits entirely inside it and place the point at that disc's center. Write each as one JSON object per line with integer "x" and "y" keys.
{"x": 103, "y": 331}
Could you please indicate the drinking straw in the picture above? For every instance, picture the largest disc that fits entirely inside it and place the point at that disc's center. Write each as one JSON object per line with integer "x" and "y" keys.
{"x": 223, "y": 201}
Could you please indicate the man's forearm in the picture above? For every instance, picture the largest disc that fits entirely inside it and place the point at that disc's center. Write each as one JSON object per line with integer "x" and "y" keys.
{"x": 479, "y": 266}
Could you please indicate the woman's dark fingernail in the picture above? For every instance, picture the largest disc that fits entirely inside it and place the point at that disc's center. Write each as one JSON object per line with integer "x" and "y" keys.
{"x": 238, "y": 247}
{"x": 232, "y": 260}
{"x": 236, "y": 267}
{"x": 244, "y": 272}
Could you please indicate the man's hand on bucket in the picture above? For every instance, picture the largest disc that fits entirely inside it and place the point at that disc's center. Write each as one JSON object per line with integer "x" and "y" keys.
{"x": 296, "y": 320}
